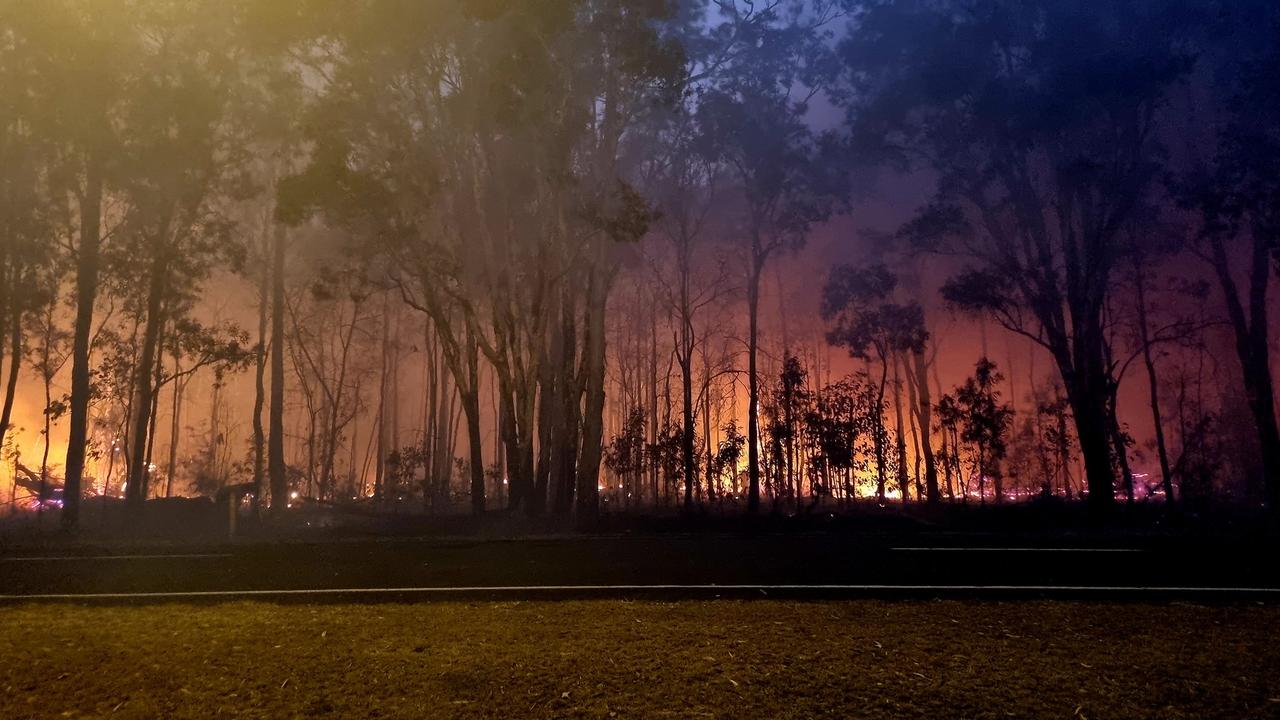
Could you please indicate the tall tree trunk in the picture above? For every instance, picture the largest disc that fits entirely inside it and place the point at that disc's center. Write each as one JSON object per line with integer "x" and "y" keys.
{"x": 709, "y": 471}
{"x": 753, "y": 379}
{"x": 686, "y": 428}
{"x": 925, "y": 416}
{"x": 383, "y": 446}
{"x": 441, "y": 452}
{"x": 144, "y": 388}
{"x": 653, "y": 399}
{"x": 1087, "y": 390}
{"x": 1250, "y": 325}
{"x": 549, "y": 407}
{"x": 588, "y": 491}
{"x": 904, "y": 481}
{"x": 260, "y": 388}
{"x": 1120, "y": 443}
{"x": 1153, "y": 386}
{"x": 15, "y": 365}
{"x": 175, "y": 425}
{"x": 564, "y": 451}
{"x": 47, "y": 377}
{"x": 275, "y": 442}
{"x": 880, "y": 431}
{"x": 471, "y": 409}
{"x": 81, "y": 382}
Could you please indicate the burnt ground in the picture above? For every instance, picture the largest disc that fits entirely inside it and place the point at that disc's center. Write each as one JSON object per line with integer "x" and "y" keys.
{"x": 646, "y": 659}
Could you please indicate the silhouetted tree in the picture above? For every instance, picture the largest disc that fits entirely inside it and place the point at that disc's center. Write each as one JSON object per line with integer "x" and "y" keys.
{"x": 984, "y": 423}
{"x": 1041, "y": 121}
{"x": 1237, "y": 198}
{"x": 863, "y": 319}
{"x": 753, "y": 120}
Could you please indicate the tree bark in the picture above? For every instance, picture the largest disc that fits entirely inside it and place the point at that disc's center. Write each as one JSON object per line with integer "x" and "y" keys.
{"x": 904, "y": 481}
{"x": 588, "y": 491}
{"x": 15, "y": 365}
{"x": 753, "y": 379}
{"x": 144, "y": 388}
{"x": 81, "y": 381}
{"x": 175, "y": 424}
{"x": 924, "y": 415}
{"x": 275, "y": 442}
{"x": 259, "y": 387}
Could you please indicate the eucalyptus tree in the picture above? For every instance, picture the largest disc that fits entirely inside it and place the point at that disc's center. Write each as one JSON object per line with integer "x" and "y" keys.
{"x": 48, "y": 353}
{"x": 1042, "y": 123}
{"x": 32, "y": 221}
{"x": 1236, "y": 196}
{"x": 81, "y": 59}
{"x": 176, "y": 170}
{"x": 482, "y": 155}
{"x": 690, "y": 273}
{"x": 864, "y": 319}
{"x": 754, "y": 119}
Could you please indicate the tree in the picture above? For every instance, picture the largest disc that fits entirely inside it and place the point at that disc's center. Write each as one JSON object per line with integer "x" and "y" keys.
{"x": 985, "y": 423}
{"x": 626, "y": 455}
{"x": 753, "y": 120}
{"x": 174, "y": 169}
{"x": 685, "y": 185}
{"x": 1041, "y": 121}
{"x": 863, "y": 319}
{"x": 48, "y": 355}
{"x": 483, "y": 157}
{"x": 1237, "y": 199}
{"x": 82, "y": 61}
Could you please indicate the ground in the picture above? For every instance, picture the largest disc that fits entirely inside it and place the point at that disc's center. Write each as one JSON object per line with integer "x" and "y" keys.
{"x": 632, "y": 659}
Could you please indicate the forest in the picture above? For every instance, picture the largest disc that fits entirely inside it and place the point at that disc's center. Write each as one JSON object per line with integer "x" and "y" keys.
{"x": 576, "y": 257}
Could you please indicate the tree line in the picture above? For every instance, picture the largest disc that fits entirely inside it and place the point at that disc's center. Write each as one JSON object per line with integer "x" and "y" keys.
{"x": 563, "y": 219}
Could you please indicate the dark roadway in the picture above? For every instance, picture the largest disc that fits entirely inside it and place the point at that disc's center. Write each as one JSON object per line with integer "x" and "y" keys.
{"x": 672, "y": 566}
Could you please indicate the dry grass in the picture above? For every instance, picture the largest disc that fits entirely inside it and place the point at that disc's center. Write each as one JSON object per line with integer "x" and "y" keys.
{"x": 605, "y": 659}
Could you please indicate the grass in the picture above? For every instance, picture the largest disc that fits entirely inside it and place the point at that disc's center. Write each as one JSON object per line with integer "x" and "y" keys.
{"x": 607, "y": 659}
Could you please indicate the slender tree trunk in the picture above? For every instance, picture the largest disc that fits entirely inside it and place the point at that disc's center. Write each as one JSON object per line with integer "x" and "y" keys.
{"x": 753, "y": 379}
{"x": 153, "y": 414}
{"x": 471, "y": 410}
{"x": 653, "y": 399}
{"x": 260, "y": 388}
{"x": 1120, "y": 443}
{"x": 135, "y": 492}
{"x": 81, "y": 382}
{"x": 47, "y": 377}
{"x": 1153, "y": 386}
{"x": 15, "y": 365}
{"x": 275, "y": 442}
{"x": 1064, "y": 446}
{"x": 588, "y": 491}
{"x": 549, "y": 408}
{"x": 904, "y": 482}
{"x": 925, "y": 416}
{"x": 175, "y": 425}
{"x": 686, "y": 427}
{"x": 879, "y": 429}
{"x": 564, "y": 453}
{"x": 380, "y": 465}
{"x": 441, "y": 453}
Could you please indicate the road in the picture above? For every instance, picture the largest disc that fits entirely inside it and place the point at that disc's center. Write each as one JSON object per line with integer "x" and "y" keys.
{"x": 666, "y": 566}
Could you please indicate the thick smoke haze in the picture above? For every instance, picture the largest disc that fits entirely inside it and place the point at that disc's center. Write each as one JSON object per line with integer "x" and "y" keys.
{"x": 493, "y": 255}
